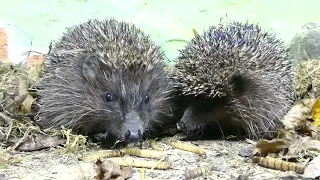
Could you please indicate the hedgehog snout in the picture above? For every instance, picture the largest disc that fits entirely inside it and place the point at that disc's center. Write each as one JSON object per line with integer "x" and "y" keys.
{"x": 132, "y": 129}
{"x": 132, "y": 136}
{"x": 182, "y": 126}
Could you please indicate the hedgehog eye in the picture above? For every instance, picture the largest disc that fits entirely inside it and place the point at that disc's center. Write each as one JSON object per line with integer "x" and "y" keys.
{"x": 109, "y": 97}
{"x": 146, "y": 99}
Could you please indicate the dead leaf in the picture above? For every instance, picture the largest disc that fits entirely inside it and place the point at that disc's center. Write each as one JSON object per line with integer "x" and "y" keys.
{"x": 17, "y": 101}
{"x": 27, "y": 104}
{"x": 127, "y": 172}
{"x": 313, "y": 168}
{"x": 302, "y": 144}
{"x": 305, "y": 131}
{"x": 264, "y": 147}
{"x": 298, "y": 114}
{"x": 286, "y": 134}
{"x": 23, "y": 87}
{"x": 107, "y": 169}
{"x": 195, "y": 33}
{"x": 316, "y": 112}
{"x": 40, "y": 141}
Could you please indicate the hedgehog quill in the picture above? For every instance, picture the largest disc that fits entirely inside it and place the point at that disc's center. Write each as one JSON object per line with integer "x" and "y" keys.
{"x": 105, "y": 76}
{"x": 234, "y": 76}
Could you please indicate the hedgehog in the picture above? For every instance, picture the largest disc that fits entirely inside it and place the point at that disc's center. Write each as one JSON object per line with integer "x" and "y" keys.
{"x": 236, "y": 78}
{"x": 105, "y": 76}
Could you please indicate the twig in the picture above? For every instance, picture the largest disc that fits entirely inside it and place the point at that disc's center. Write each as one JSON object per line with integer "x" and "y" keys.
{"x": 21, "y": 139}
{"x": 9, "y": 121}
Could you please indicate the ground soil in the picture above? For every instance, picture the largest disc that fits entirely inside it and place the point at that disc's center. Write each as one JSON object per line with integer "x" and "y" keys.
{"x": 50, "y": 164}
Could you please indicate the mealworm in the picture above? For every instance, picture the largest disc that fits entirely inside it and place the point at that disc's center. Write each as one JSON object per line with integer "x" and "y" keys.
{"x": 188, "y": 147}
{"x": 154, "y": 146}
{"x": 144, "y": 153}
{"x": 194, "y": 173}
{"x": 278, "y": 164}
{"x": 139, "y": 163}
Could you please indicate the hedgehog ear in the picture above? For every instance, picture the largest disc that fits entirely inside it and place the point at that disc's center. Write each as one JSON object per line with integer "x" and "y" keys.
{"x": 90, "y": 67}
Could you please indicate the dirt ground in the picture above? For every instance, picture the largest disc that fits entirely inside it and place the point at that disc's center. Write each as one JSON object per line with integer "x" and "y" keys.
{"x": 50, "y": 164}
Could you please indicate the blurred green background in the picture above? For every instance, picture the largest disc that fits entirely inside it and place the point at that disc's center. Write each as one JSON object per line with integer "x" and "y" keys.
{"x": 44, "y": 20}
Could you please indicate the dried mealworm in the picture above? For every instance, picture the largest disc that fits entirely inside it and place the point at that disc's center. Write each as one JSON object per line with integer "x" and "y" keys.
{"x": 188, "y": 147}
{"x": 144, "y": 153}
{"x": 278, "y": 164}
{"x": 154, "y": 146}
{"x": 139, "y": 163}
{"x": 194, "y": 173}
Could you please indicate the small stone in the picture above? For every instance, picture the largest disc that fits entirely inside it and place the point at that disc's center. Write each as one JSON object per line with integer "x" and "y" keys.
{"x": 306, "y": 43}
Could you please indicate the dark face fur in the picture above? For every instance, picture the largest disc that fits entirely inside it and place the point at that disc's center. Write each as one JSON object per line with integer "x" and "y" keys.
{"x": 201, "y": 111}
{"x": 125, "y": 101}
{"x": 240, "y": 111}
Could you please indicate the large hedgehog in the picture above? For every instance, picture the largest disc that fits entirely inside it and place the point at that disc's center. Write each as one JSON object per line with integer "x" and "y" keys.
{"x": 105, "y": 77}
{"x": 234, "y": 76}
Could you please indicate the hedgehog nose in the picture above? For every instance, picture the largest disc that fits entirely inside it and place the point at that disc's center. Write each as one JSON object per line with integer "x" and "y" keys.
{"x": 132, "y": 136}
{"x": 181, "y": 126}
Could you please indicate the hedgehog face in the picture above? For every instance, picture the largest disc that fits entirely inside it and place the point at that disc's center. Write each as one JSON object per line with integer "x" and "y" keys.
{"x": 201, "y": 111}
{"x": 126, "y": 100}
{"x": 120, "y": 87}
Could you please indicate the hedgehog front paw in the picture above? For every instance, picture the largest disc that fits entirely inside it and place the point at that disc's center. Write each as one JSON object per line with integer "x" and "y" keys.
{"x": 189, "y": 128}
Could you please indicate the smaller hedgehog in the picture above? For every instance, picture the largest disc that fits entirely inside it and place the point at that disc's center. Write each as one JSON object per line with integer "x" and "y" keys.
{"x": 105, "y": 77}
{"x": 234, "y": 76}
